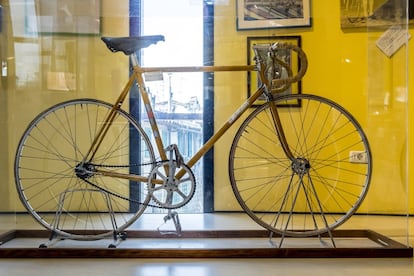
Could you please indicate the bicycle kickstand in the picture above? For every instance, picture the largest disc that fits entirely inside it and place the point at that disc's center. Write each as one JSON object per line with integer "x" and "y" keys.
{"x": 172, "y": 215}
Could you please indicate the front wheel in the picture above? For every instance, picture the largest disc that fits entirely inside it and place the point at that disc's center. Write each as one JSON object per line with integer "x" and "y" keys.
{"x": 66, "y": 194}
{"x": 321, "y": 187}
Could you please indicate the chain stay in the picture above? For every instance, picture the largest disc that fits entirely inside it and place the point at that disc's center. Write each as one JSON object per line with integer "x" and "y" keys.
{"x": 118, "y": 195}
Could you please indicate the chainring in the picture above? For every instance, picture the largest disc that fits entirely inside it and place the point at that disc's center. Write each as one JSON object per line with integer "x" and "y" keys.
{"x": 174, "y": 192}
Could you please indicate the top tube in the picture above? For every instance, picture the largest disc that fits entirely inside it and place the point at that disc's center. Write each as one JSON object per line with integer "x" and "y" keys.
{"x": 264, "y": 64}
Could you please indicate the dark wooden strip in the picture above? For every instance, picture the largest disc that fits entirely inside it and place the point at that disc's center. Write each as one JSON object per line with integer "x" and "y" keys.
{"x": 207, "y": 253}
{"x": 389, "y": 248}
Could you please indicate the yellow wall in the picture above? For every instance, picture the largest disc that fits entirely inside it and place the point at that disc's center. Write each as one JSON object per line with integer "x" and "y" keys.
{"x": 99, "y": 74}
{"x": 344, "y": 66}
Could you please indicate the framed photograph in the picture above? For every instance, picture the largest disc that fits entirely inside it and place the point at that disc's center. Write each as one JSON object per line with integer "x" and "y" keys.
{"x": 288, "y": 56}
{"x": 253, "y": 14}
{"x": 369, "y": 13}
{"x": 60, "y": 63}
{"x": 80, "y": 17}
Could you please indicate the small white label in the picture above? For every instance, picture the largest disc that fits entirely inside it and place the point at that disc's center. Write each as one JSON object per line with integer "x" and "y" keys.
{"x": 4, "y": 69}
{"x": 238, "y": 112}
{"x": 392, "y": 40}
{"x": 358, "y": 157}
{"x": 153, "y": 76}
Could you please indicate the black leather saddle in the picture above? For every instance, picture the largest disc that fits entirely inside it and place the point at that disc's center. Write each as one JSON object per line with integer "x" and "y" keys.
{"x": 131, "y": 44}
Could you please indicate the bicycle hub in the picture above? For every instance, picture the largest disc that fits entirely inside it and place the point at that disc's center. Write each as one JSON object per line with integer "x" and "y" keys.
{"x": 84, "y": 170}
{"x": 301, "y": 166}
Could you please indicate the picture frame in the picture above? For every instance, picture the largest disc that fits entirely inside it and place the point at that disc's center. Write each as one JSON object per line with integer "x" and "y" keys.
{"x": 67, "y": 17}
{"x": 369, "y": 14}
{"x": 289, "y": 56}
{"x": 272, "y": 14}
{"x": 60, "y": 72}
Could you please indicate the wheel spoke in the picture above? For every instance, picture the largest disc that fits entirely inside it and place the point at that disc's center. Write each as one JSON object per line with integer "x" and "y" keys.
{"x": 66, "y": 200}
{"x": 323, "y": 184}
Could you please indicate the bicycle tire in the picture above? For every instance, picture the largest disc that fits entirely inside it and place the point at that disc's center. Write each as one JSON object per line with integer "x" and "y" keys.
{"x": 322, "y": 194}
{"x": 51, "y": 148}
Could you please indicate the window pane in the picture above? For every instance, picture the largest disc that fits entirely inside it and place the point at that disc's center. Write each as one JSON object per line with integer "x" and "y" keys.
{"x": 177, "y": 97}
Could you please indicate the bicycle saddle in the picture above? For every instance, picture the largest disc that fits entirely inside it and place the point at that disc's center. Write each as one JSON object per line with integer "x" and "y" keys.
{"x": 129, "y": 45}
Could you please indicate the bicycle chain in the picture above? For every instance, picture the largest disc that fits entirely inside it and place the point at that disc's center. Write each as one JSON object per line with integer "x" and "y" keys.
{"x": 131, "y": 165}
{"x": 118, "y": 195}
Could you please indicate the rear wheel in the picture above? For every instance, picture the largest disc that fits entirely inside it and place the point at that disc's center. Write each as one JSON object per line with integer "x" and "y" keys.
{"x": 67, "y": 195}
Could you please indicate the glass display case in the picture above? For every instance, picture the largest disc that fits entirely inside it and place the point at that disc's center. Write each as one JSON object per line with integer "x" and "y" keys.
{"x": 300, "y": 109}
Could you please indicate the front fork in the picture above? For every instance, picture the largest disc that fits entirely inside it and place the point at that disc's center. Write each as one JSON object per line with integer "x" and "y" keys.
{"x": 279, "y": 131}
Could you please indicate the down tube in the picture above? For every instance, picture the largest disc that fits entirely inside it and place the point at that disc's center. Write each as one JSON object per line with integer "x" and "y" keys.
{"x": 233, "y": 118}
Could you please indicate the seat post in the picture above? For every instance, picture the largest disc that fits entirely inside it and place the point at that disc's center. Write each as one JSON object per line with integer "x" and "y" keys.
{"x": 134, "y": 59}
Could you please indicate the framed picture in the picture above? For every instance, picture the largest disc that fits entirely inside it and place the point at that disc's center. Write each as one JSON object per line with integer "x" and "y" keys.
{"x": 253, "y": 14}
{"x": 288, "y": 56}
{"x": 369, "y": 13}
{"x": 60, "y": 70}
{"x": 80, "y": 17}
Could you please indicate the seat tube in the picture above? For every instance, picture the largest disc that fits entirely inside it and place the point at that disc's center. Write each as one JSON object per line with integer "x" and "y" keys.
{"x": 149, "y": 111}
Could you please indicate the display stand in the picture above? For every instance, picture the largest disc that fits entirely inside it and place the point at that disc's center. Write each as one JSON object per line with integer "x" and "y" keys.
{"x": 54, "y": 235}
{"x": 208, "y": 244}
